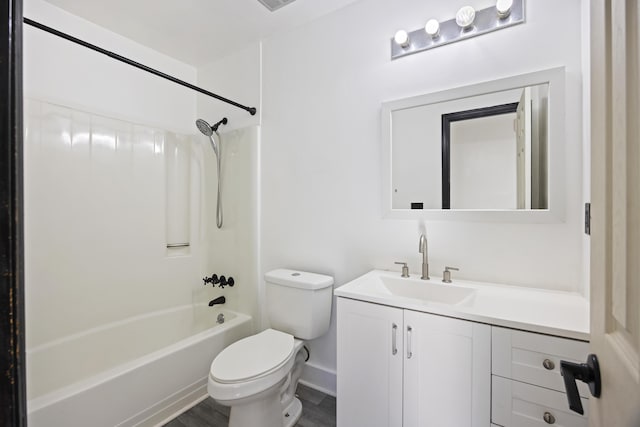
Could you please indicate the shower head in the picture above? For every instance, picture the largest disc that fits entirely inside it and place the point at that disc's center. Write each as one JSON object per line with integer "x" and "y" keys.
{"x": 207, "y": 129}
{"x": 204, "y": 127}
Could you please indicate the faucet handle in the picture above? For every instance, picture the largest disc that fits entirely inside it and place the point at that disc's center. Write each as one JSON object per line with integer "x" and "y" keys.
{"x": 405, "y": 268}
{"x": 446, "y": 274}
{"x": 213, "y": 279}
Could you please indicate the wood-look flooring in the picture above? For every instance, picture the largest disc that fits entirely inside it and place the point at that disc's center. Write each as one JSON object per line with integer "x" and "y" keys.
{"x": 318, "y": 410}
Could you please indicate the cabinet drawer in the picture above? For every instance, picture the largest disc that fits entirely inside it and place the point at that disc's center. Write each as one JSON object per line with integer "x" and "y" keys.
{"x": 516, "y": 404}
{"x": 522, "y": 356}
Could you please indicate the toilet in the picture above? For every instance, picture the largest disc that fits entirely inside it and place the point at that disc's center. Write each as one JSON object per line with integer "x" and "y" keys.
{"x": 258, "y": 375}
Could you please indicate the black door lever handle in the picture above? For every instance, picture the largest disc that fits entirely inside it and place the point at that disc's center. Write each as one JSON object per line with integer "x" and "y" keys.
{"x": 586, "y": 372}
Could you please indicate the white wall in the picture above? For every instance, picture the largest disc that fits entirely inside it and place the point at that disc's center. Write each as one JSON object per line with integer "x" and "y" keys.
{"x": 236, "y": 77}
{"x": 62, "y": 72}
{"x": 323, "y": 85}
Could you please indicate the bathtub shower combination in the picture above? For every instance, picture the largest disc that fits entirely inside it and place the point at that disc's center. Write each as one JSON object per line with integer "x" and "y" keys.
{"x": 114, "y": 337}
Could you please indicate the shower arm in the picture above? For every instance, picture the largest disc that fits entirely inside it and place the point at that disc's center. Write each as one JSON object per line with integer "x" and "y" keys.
{"x": 250, "y": 110}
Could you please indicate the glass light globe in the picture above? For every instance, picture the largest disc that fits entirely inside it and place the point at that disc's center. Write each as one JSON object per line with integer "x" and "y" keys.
{"x": 401, "y": 38}
{"x": 504, "y": 8}
{"x": 432, "y": 28}
{"x": 465, "y": 17}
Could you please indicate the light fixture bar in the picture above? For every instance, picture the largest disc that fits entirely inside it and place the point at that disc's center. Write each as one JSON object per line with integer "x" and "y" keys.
{"x": 486, "y": 21}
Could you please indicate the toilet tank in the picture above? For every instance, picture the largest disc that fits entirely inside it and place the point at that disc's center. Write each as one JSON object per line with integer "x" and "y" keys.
{"x": 299, "y": 302}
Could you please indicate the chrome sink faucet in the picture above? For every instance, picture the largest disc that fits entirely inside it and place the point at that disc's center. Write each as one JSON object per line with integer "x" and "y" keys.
{"x": 423, "y": 249}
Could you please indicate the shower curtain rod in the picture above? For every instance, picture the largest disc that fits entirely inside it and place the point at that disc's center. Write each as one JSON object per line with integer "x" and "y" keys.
{"x": 251, "y": 110}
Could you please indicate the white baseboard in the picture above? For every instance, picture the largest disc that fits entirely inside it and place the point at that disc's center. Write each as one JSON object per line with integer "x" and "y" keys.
{"x": 319, "y": 378}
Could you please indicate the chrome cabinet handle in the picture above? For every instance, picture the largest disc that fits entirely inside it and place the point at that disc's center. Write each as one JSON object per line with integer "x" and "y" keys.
{"x": 394, "y": 337}
{"x": 409, "y": 353}
{"x": 548, "y": 364}
{"x": 549, "y": 418}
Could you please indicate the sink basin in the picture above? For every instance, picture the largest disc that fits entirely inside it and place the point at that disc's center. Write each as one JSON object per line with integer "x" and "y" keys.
{"x": 425, "y": 290}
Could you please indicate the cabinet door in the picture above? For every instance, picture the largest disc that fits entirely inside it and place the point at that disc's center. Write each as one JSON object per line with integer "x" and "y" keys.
{"x": 369, "y": 365}
{"x": 447, "y": 372}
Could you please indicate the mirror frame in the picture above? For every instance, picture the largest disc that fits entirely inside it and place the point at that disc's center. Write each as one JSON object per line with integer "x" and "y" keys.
{"x": 555, "y": 78}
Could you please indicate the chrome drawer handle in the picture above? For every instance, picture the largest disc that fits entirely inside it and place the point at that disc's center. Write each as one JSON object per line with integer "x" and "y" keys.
{"x": 409, "y": 353}
{"x": 394, "y": 334}
{"x": 549, "y": 418}
{"x": 548, "y": 364}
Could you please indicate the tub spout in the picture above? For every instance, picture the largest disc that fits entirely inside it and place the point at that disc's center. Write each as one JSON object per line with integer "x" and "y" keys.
{"x": 219, "y": 300}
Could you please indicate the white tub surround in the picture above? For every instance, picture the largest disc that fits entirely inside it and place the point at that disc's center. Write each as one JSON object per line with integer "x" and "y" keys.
{"x": 139, "y": 371}
{"x": 564, "y": 314}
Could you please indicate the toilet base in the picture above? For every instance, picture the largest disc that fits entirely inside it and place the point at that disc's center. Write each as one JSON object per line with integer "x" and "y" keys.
{"x": 292, "y": 413}
{"x": 263, "y": 409}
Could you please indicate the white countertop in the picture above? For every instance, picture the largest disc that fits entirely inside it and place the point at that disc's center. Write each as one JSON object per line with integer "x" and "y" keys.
{"x": 559, "y": 313}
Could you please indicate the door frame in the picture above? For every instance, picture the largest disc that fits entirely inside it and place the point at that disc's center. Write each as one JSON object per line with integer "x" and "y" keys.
{"x": 12, "y": 342}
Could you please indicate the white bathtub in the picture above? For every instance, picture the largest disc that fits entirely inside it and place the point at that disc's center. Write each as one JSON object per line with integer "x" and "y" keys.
{"x": 134, "y": 372}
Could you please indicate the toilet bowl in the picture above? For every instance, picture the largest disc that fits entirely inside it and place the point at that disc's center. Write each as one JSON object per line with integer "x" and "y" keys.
{"x": 258, "y": 375}
{"x": 257, "y": 388}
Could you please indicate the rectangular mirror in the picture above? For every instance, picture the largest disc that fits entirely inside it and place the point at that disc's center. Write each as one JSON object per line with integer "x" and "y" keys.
{"x": 490, "y": 151}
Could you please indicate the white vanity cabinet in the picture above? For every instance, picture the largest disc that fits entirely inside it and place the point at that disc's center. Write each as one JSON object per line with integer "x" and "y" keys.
{"x": 415, "y": 352}
{"x": 400, "y": 367}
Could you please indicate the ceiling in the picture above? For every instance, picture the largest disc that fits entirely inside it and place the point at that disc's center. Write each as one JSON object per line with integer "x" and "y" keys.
{"x": 196, "y": 32}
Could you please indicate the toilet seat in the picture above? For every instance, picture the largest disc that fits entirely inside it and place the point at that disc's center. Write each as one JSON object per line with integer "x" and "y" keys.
{"x": 252, "y": 357}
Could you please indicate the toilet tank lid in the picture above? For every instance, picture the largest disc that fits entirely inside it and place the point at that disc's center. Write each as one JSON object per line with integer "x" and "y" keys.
{"x": 298, "y": 279}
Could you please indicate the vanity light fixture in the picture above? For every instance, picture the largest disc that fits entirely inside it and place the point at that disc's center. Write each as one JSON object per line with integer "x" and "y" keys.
{"x": 465, "y": 17}
{"x": 504, "y": 8}
{"x": 467, "y": 23}
{"x": 432, "y": 28}
{"x": 401, "y": 38}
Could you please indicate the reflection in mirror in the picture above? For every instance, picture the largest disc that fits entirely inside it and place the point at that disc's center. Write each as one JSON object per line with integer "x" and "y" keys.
{"x": 480, "y": 152}
{"x": 495, "y": 157}
{"x": 472, "y": 142}
{"x": 491, "y": 151}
